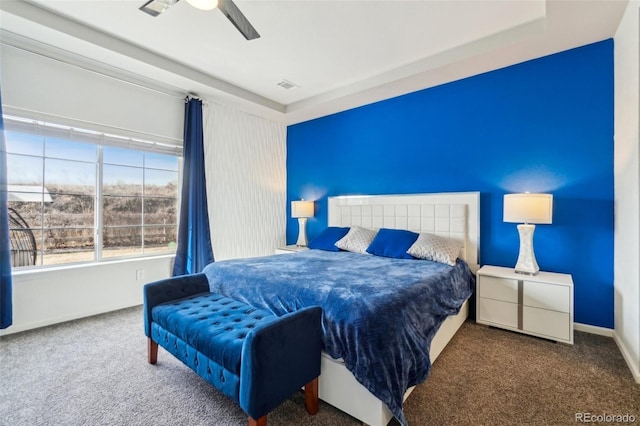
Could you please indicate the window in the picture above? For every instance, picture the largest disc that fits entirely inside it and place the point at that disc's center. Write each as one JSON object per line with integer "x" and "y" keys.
{"x": 78, "y": 196}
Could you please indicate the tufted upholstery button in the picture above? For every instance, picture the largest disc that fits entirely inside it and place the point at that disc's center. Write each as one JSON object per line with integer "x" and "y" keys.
{"x": 222, "y": 378}
{"x": 215, "y": 328}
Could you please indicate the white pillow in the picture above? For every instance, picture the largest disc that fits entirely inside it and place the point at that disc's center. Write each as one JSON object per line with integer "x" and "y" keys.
{"x": 436, "y": 248}
{"x": 357, "y": 240}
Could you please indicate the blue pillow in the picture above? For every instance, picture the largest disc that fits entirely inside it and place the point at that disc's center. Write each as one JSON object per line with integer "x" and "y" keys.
{"x": 392, "y": 243}
{"x": 327, "y": 239}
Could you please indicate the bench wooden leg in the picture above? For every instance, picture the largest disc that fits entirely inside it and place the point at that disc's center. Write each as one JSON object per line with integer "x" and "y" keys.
{"x": 152, "y": 351}
{"x": 262, "y": 421}
{"x": 311, "y": 396}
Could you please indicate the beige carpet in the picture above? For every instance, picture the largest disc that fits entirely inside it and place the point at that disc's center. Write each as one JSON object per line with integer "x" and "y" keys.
{"x": 488, "y": 376}
{"x": 94, "y": 372}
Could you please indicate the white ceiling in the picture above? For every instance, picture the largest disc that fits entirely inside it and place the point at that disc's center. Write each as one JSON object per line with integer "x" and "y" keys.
{"x": 341, "y": 54}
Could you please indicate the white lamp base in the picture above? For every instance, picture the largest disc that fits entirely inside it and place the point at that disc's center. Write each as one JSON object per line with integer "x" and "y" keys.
{"x": 526, "y": 258}
{"x": 302, "y": 232}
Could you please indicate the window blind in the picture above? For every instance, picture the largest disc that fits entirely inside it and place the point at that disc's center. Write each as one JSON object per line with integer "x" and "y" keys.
{"x": 41, "y": 128}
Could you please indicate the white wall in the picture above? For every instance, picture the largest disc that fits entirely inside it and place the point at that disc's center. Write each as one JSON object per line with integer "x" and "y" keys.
{"x": 246, "y": 179}
{"x": 40, "y": 87}
{"x": 53, "y": 295}
{"x": 627, "y": 187}
{"x": 245, "y": 160}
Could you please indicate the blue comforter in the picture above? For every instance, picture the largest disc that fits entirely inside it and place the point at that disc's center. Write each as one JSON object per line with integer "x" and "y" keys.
{"x": 380, "y": 314}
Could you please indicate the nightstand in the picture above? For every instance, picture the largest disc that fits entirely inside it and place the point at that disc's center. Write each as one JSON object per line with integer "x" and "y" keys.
{"x": 290, "y": 249}
{"x": 540, "y": 305}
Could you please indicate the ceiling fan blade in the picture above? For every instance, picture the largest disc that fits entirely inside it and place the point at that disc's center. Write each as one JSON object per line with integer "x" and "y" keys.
{"x": 236, "y": 17}
{"x": 156, "y": 7}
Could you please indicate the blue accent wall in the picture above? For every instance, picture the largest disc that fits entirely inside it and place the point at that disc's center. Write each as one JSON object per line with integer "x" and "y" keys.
{"x": 544, "y": 125}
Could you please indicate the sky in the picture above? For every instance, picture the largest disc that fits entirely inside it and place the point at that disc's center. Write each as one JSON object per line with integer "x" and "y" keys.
{"x": 74, "y": 163}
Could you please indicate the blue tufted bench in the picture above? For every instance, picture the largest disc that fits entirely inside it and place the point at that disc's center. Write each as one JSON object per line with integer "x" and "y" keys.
{"x": 252, "y": 356}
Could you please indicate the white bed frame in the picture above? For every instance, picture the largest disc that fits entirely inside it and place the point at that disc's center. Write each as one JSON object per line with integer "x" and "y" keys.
{"x": 454, "y": 215}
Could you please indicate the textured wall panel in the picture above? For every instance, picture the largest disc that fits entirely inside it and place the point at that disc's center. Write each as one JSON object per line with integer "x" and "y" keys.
{"x": 245, "y": 159}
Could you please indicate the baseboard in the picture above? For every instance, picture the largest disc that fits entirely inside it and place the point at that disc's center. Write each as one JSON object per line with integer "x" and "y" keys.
{"x": 626, "y": 354}
{"x": 608, "y": 332}
{"x": 592, "y": 329}
{"x": 19, "y": 328}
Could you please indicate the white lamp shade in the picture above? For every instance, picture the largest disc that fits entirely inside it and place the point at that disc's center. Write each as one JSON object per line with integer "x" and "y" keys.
{"x": 203, "y": 4}
{"x": 302, "y": 209}
{"x": 528, "y": 208}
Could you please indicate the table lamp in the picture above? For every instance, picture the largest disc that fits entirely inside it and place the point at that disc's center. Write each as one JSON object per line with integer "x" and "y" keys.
{"x": 302, "y": 210}
{"x": 527, "y": 209}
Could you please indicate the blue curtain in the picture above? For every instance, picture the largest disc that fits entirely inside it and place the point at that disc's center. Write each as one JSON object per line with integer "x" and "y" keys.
{"x": 194, "y": 239}
{"x": 6, "y": 311}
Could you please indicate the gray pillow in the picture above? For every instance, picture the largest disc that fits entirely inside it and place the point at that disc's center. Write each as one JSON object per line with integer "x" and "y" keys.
{"x": 357, "y": 240}
{"x": 436, "y": 248}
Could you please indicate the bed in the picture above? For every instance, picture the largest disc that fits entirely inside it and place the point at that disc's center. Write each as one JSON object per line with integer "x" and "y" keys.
{"x": 382, "y": 329}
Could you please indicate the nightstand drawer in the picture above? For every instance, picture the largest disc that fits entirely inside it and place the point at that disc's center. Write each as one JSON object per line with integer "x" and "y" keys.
{"x": 504, "y": 289}
{"x": 548, "y": 323}
{"x": 498, "y": 312}
{"x": 540, "y": 305}
{"x": 547, "y": 296}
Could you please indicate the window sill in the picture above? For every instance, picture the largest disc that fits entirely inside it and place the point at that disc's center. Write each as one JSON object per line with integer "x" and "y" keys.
{"x": 34, "y": 270}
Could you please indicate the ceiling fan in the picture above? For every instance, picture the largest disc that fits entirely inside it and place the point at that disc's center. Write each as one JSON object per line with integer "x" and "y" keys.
{"x": 228, "y": 7}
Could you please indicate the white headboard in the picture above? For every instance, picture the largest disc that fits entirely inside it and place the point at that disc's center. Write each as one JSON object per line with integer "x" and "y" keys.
{"x": 454, "y": 215}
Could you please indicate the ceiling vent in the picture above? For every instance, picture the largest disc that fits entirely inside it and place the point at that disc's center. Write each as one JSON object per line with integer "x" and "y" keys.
{"x": 286, "y": 84}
